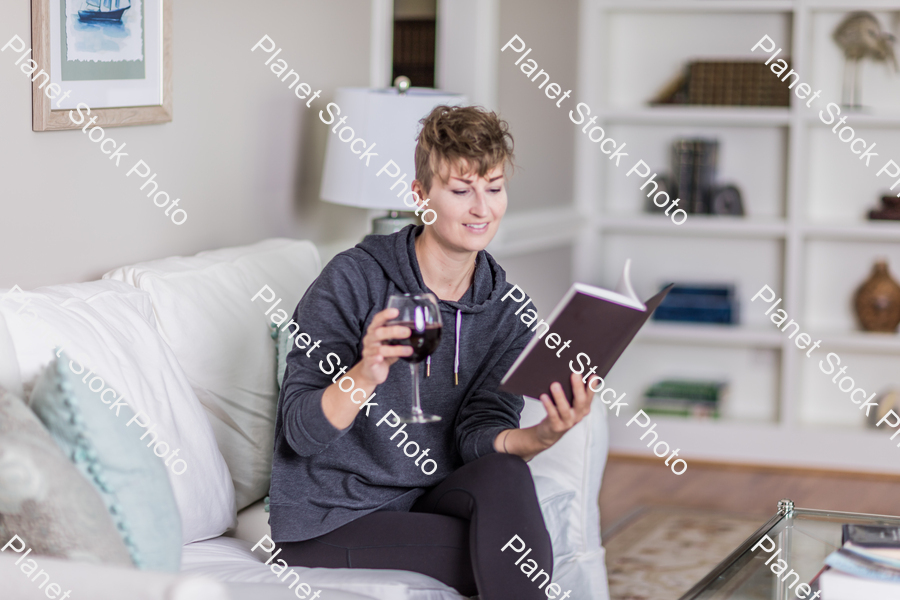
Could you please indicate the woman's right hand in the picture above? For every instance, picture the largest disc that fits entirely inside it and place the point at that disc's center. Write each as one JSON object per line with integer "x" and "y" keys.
{"x": 377, "y": 357}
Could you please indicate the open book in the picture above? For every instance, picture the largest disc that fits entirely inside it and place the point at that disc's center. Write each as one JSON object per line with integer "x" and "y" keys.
{"x": 599, "y": 324}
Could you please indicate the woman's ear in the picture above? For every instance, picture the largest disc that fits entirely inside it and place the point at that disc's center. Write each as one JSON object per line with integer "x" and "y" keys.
{"x": 419, "y": 189}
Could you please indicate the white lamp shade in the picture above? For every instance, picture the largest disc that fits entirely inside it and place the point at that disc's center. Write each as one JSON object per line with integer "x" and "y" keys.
{"x": 390, "y": 121}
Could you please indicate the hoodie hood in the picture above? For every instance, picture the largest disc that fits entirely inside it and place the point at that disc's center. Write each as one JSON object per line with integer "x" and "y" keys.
{"x": 396, "y": 255}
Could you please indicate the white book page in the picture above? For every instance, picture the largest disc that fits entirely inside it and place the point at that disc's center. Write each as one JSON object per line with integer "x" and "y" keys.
{"x": 623, "y": 295}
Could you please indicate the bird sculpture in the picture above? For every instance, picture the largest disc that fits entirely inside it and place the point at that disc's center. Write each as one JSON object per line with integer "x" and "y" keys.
{"x": 860, "y": 36}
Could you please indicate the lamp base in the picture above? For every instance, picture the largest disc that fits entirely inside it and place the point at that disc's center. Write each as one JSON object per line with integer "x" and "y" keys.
{"x": 393, "y": 222}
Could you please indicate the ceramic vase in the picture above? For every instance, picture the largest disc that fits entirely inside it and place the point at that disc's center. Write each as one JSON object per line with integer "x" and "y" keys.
{"x": 877, "y": 301}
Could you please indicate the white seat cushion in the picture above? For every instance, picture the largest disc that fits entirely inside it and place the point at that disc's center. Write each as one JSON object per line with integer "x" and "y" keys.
{"x": 222, "y": 340}
{"x": 108, "y": 327}
{"x": 231, "y": 560}
{"x": 85, "y": 580}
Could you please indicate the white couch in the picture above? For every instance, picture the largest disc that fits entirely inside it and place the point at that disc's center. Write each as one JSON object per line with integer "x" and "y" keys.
{"x": 187, "y": 326}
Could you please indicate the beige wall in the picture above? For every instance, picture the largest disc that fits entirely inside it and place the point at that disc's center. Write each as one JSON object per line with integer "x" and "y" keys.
{"x": 543, "y": 133}
{"x": 243, "y": 154}
{"x": 545, "y": 276}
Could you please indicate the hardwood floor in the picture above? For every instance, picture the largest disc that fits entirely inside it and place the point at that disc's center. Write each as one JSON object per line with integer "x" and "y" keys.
{"x": 632, "y": 482}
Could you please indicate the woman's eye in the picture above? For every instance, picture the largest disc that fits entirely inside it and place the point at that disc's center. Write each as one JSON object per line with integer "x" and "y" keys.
{"x": 460, "y": 192}
{"x": 495, "y": 190}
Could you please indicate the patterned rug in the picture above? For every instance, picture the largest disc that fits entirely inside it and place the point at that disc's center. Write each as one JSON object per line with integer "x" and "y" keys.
{"x": 660, "y": 553}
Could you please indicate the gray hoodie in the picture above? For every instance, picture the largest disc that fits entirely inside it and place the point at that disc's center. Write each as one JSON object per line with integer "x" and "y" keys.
{"x": 324, "y": 477}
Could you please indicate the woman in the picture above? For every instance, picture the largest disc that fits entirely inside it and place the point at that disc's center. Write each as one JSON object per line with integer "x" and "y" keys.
{"x": 344, "y": 493}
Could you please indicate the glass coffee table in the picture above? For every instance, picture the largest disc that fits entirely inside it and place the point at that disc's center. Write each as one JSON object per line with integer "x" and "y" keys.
{"x": 805, "y": 537}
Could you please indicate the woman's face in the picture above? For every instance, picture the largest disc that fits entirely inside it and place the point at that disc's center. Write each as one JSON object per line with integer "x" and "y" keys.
{"x": 468, "y": 207}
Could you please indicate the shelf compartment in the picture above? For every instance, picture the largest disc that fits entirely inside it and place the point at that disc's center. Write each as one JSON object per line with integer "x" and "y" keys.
{"x": 657, "y": 260}
{"x": 873, "y": 119}
{"x": 658, "y": 40}
{"x": 859, "y": 341}
{"x": 823, "y": 404}
{"x": 697, "y": 225}
{"x": 753, "y": 374}
{"x": 880, "y": 87}
{"x": 832, "y": 274}
{"x": 713, "y": 335}
{"x": 844, "y": 5}
{"x": 700, "y": 5}
{"x": 699, "y": 115}
{"x": 752, "y": 158}
{"x": 839, "y": 185}
{"x": 865, "y": 231}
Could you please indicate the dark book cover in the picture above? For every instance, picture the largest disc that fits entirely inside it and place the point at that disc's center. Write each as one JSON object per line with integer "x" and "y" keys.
{"x": 871, "y": 536}
{"x": 598, "y": 323}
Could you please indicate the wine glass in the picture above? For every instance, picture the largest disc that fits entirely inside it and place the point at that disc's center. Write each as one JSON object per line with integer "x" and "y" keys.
{"x": 421, "y": 314}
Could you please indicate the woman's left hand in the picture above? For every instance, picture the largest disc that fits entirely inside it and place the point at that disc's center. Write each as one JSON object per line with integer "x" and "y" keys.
{"x": 561, "y": 416}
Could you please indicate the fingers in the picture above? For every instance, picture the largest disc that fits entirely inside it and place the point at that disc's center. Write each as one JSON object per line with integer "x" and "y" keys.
{"x": 391, "y": 351}
{"x": 385, "y": 351}
{"x": 383, "y": 317}
{"x": 378, "y": 333}
{"x": 582, "y": 396}
{"x": 377, "y": 356}
{"x": 392, "y": 332}
{"x": 552, "y": 413}
{"x": 562, "y": 415}
{"x": 562, "y": 404}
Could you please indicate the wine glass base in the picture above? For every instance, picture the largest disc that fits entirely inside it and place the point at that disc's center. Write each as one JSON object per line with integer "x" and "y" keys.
{"x": 420, "y": 419}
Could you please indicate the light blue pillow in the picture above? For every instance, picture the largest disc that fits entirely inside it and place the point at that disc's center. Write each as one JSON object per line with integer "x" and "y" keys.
{"x": 283, "y": 343}
{"x": 131, "y": 479}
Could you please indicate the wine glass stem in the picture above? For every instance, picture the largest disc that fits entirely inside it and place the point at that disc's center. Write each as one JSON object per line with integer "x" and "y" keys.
{"x": 417, "y": 407}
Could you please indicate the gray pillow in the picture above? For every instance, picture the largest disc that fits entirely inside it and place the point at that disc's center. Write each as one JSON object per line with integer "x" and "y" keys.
{"x": 44, "y": 499}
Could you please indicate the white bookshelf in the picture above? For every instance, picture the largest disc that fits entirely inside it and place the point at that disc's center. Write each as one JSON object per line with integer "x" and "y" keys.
{"x": 805, "y": 232}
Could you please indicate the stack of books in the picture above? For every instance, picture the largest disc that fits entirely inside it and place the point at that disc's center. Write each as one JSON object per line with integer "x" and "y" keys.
{"x": 866, "y": 566}
{"x": 685, "y": 398}
{"x": 694, "y": 164}
{"x": 699, "y": 304}
{"x": 726, "y": 83}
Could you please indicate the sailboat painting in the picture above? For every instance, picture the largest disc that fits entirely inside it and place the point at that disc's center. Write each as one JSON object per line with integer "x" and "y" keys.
{"x": 104, "y": 30}
{"x": 104, "y": 10}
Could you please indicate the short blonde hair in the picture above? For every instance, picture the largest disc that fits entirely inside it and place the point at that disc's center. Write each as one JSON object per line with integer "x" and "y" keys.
{"x": 468, "y": 137}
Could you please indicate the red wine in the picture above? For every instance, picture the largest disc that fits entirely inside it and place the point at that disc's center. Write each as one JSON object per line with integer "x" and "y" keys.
{"x": 423, "y": 342}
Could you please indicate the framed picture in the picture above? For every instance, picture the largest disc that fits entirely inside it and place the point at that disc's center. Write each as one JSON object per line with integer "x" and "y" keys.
{"x": 113, "y": 56}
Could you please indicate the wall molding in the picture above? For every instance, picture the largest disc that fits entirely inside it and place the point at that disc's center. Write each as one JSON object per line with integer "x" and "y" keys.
{"x": 524, "y": 232}
{"x": 466, "y": 50}
{"x": 381, "y": 44}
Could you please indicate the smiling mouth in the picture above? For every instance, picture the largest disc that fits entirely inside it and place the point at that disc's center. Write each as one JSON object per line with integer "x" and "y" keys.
{"x": 477, "y": 226}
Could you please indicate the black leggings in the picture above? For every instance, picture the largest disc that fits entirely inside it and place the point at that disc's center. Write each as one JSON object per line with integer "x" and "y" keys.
{"x": 453, "y": 533}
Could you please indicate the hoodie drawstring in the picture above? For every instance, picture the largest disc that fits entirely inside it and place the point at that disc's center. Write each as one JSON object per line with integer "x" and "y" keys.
{"x": 456, "y": 359}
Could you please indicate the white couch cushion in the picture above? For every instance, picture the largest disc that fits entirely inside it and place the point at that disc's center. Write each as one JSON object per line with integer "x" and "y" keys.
{"x": 576, "y": 464}
{"x": 231, "y": 560}
{"x": 108, "y": 326}
{"x": 222, "y": 340}
{"x": 10, "y": 378}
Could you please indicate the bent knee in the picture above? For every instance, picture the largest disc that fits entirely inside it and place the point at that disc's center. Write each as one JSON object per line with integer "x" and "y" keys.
{"x": 504, "y": 467}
